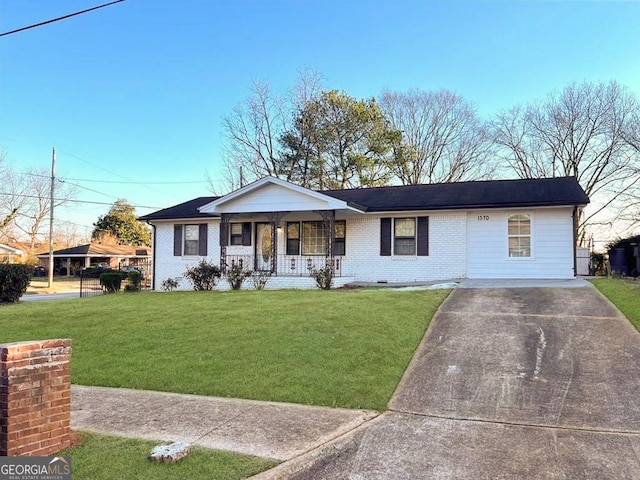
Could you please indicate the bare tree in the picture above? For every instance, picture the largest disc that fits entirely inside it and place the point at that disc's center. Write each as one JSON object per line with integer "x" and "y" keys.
{"x": 26, "y": 201}
{"x": 578, "y": 131}
{"x": 254, "y": 128}
{"x": 443, "y": 138}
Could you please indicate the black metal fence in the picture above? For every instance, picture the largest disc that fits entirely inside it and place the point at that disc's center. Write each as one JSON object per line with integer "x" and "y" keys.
{"x": 90, "y": 286}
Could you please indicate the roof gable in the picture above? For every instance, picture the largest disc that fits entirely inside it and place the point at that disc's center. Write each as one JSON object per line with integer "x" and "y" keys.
{"x": 271, "y": 194}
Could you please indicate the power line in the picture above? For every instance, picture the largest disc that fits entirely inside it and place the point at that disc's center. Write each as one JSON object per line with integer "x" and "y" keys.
{"x": 60, "y": 18}
{"x": 75, "y": 201}
{"x": 186, "y": 182}
{"x": 112, "y": 173}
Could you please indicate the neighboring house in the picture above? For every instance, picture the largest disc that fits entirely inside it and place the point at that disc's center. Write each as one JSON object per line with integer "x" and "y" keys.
{"x": 69, "y": 260}
{"x": 9, "y": 254}
{"x": 484, "y": 229}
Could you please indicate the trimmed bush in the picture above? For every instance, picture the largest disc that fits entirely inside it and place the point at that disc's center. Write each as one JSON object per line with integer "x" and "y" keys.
{"x": 14, "y": 280}
{"x": 204, "y": 276}
{"x": 111, "y": 282}
{"x": 135, "y": 282}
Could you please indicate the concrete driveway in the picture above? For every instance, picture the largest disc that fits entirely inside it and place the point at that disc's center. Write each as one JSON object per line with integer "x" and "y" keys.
{"x": 508, "y": 383}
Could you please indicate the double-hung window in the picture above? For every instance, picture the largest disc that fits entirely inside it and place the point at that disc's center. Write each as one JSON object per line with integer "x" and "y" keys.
{"x": 191, "y": 239}
{"x": 236, "y": 234}
{"x": 404, "y": 236}
{"x": 519, "y": 234}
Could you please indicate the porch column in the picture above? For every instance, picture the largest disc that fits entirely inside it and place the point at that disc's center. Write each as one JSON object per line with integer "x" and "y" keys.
{"x": 329, "y": 219}
{"x": 274, "y": 219}
{"x": 68, "y": 267}
{"x": 224, "y": 241}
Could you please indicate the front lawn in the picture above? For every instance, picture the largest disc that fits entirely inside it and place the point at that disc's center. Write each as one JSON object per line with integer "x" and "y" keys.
{"x": 346, "y": 348}
{"x": 625, "y": 294}
{"x": 102, "y": 457}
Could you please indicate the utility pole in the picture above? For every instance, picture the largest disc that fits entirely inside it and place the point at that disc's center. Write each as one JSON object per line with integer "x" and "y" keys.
{"x": 53, "y": 179}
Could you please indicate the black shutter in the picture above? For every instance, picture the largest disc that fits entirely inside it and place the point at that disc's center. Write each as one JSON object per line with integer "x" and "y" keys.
{"x": 246, "y": 234}
{"x": 423, "y": 236}
{"x": 177, "y": 240}
{"x": 385, "y": 237}
{"x": 202, "y": 239}
{"x": 224, "y": 234}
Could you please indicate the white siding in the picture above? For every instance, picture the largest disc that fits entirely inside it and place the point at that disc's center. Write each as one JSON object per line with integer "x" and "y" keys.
{"x": 551, "y": 245}
{"x": 272, "y": 198}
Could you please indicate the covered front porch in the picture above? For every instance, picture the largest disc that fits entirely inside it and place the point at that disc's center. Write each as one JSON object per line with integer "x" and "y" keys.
{"x": 289, "y": 232}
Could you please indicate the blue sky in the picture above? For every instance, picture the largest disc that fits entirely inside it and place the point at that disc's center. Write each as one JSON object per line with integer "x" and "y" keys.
{"x": 136, "y": 92}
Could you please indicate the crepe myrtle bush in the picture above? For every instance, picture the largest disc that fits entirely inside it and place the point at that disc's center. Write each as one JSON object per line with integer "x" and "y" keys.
{"x": 323, "y": 276}
{"x": 14, "y": 280}
{"x": 260, "y": 279}
{"x": 204, "y": 276}
{"x": 236, "y": 276}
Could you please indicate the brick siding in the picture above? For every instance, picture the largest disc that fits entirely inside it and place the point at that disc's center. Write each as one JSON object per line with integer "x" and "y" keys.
{"x": 35, "y": 397}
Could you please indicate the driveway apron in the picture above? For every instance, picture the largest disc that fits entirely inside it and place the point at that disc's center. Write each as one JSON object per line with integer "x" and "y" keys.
{"x": 508, "y": 383}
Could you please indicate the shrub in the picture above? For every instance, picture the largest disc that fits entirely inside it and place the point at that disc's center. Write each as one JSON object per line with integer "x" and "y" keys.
{"x": 135, "y": 282}
{"x": 169, "y": 284}
{"x": 260, "y": 279}
{"x": 323, "y": 276}
{"x": 204, "y": 276}
{"x": 598, "y": 264}
{"x": 14, "y": 280}
{"x": 111, "y": 282}
{"x": 236, "y": 276}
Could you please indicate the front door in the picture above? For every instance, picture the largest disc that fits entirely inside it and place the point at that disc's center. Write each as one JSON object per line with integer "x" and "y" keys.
{"x": 264, "y": 246}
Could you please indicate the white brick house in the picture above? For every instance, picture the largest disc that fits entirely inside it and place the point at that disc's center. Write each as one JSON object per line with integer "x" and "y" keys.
{"x": 488, "y": 229}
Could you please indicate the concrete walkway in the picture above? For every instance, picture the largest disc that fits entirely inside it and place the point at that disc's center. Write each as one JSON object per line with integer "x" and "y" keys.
{"x": 278, "y": 431}
{"x": 512, "y": 383}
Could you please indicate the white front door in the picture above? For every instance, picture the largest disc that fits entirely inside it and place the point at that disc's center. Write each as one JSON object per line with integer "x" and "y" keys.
{"x": 264, "y": 245}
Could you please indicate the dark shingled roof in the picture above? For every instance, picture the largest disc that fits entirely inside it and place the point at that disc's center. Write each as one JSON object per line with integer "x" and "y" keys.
{"x": 97, "y": 249}
{"x": 183, "y": 210}
{"x": 540, "y": 192}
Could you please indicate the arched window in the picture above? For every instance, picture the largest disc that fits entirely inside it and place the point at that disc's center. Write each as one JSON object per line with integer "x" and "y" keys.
{"x": 519, "y": 227}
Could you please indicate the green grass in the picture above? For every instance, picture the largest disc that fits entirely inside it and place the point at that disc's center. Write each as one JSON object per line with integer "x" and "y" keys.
{"x": 625, "y": 294}
{"x": 346, "y": 348}
{"x": 102, "y": 457}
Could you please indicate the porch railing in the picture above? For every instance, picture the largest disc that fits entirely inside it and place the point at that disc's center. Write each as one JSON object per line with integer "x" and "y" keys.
{"x": 287, "y": 265}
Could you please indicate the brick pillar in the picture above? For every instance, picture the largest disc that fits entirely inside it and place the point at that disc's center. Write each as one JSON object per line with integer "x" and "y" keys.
{"x": 35, "y": 397}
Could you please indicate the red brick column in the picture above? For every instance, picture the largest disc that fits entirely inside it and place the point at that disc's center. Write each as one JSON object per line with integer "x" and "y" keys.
{"x": 35, "y": 397}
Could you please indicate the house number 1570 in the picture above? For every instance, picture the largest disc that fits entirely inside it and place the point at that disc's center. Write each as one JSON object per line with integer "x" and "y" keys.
{"x": 483, "y": 218}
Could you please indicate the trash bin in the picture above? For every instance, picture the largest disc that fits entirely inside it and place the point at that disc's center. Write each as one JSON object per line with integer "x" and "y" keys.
{"x": 618, "y": 261}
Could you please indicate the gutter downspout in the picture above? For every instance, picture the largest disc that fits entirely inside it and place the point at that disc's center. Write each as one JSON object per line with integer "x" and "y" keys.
{"x": 574, "y": 216}
{"x": 153, "y": 258}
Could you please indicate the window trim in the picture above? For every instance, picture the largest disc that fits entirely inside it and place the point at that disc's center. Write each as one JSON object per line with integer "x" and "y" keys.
{"x": 530, "y": 236}
{"x": 235, "y": 239}
{"x": 300, "y": 239}
{"x": 185, "y": 227}
{"x": 414, "y": 237}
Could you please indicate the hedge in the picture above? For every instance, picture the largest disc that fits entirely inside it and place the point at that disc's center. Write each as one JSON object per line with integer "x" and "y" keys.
{"x": 14, "y": 280}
